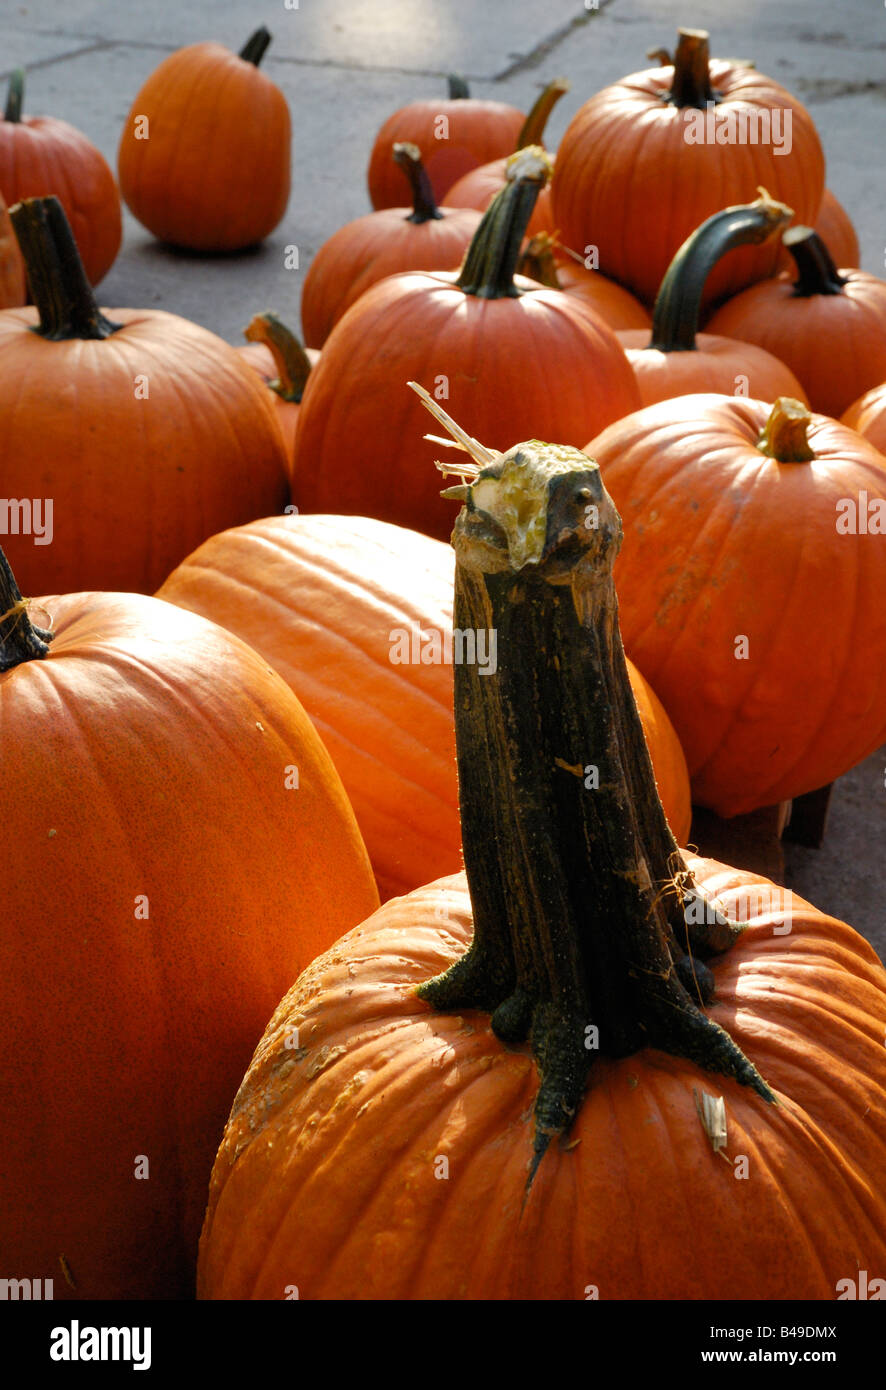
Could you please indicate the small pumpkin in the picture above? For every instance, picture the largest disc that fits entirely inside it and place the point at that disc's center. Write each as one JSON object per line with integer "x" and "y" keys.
{"x": 359, "y": 254}
{"x": 745, "y": 580}
{"x": 867, "y": 415}
{"x": 452, "y": 136}
{"x": 545, "y": 260}
{"x": 827, "y": 325}
{"x": 493, "y": 342}
{"x": 496, "y": 1091}
{"x": 678, "y": 360}
{"x": 204, "y": 157}
{"x": 42, "y": 156}
{"x": 355, "y": 614}
{"x": 142, "y": 432}
{"x": 640, "y": 166}
{"x": 275, "y": 353}
{"x": 179, "y": 844}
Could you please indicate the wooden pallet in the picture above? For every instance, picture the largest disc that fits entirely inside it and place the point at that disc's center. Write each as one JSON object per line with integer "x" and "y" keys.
{"x": 755, "y": 841}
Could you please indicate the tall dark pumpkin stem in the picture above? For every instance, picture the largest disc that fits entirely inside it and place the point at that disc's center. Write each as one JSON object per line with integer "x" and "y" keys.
{"x": 458, "y": 87}
{"x": 15, "y": 96}
{"x": 532, "y": 132}
{"x": 691, "y": 85}
{"x": 678, "y": 303}
{"x": 424, "y": 208}
{"x": 584, "y": 942}
{"x": 816, "y": 272}
{"x": 57, "y": 280}
{"x": 292, "y": 362}
{"x": 256, "y": 46}
{"x": 20, "y": 638}
{"x": 491, "y": 260}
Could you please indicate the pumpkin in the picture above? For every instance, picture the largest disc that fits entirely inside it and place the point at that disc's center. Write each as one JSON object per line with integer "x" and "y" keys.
{"x": 359, "y": 254}
{"x": 867, "y": 415}
{"x": 142, "y": 432}
{"x": 204, "y": 155}
{"x": 489, "y": 1089}
{"x": 489, "y": 341}
{"x": 544, "y": 260}
{"x": 12, "y": 270}
{"x": 834, "y": 225}
{"x": 478, "y": 188}
{"x": 42, "y": 156}
{"x": 275, "y": 353}
{"x": 678, "y": 360}
{"x": 354, "y": 615}
{"x": 640, "y": 167}
{"x": 452, "y": 137}
{"x": 180, "y": 846}
{"x": 752, "y": 568}
{"x": 828, "y": 325}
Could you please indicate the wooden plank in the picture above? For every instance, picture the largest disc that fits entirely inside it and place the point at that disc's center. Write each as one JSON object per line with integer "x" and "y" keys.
{"x": 750, "y": 842}
{"x": 808, "y": 818}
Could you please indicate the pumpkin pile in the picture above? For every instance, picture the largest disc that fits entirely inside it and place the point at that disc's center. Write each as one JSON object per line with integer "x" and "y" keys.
{"x": 349, "y": 765}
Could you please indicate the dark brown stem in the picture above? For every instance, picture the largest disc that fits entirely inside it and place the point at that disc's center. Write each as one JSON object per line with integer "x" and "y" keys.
{"x": 691, "y": 85}
{"x": 57, "y": 280}
{"x": 458, "y": 88}
{"x": 533, "y": 129}
{"x": 16, "y": 96}
{"x": 20, "y": 638}
{"x": 491, "y": 260}
{"x": 255, "y": 47}
{"x": 664, "y": 58}
{"x": 678, "y": 303}
{"x": 424, "y": 209}
{"x": 784, "y": 434}
{"x": 581, "y": 899}
{"x": 816, "y": 272}
{"x": 292, "y": 362}
{"x": 537, "y": 261}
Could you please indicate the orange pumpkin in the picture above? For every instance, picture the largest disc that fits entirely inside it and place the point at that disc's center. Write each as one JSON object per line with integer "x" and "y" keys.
{"x": 489, "y": 341}
{"x": 545, "y": 260}
{"x": 452, "y": 136}
{"x": 358, "y": 255}
{"x": 182, "y": 847}
{"x": 143, "y": 432}
{"x": 497, "y": 1083}
{"x": 204, "y": 155}
{"x": 354, "y": 614}
{"x": 644, "y": 162}
{"x": 753, "y": 560}
{"x": 42, "y": 156}
{"x": 868, "y": 416}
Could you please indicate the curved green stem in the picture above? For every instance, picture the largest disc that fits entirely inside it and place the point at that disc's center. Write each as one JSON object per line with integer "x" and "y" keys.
{"x": 255, "y": 47}
{"x": 532, "y": 132}
{"x": 59, "y": 288}
{"x": 16, "y": 96}
{"x": 292, "y": 362}
{"x": 20, "y": 638}
{"x": 424, "y": 208}
{"x": 491, "y": 261}
{"x": 678, "y": 303}
{"x": 816, "y": 272}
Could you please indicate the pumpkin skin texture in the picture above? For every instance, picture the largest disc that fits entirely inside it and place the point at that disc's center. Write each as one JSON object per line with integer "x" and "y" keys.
{"x": 214, "y": 174}
{"x": 354, "y": 1210}
{"x": 478, "y": 188}
{"x": 147, "y": 755}
{"x": 717, "y": 364}
{"x": 12, "y": 270}
{"x": 615, "y": 305}
{"x": 868, "y": 416}
{"x": 722, "y": 542}
{"x": 627, "y": 181}
{"x": 318, "y": 597}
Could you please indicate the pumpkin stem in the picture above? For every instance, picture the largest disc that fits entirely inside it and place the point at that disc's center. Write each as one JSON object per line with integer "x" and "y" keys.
{"x": 584, "y": 908}
{"x": 255, "y": 47}
{"x": 424, "y": 208}
{"x": 491, "y": 260}
{"x": 817, "y": 273}
{"x": 691, "y": 85}
{"x": 678, "y": 303}
{"x": 292, "y": 362}
{"x": 537, "y": 261}
{"x": 16, "y": 95}
{"x": 784, "y": 434}
{"x": 533, "y": 129}
{"x": 458, "y": 87}
{"x": 20, "y": 638}
{"x": 57, "y": 280}
{"x": 664, "y": 58}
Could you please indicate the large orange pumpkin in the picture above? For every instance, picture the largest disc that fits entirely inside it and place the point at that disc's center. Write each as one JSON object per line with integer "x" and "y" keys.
{"x": 751, "y": 588}
{"x": 481, "y": 338}
{"x": 204, "y": 155}
{"x": 524, "y": 1125}
{"x": 354, "y": 614}
{"x": 179, "y": 846}
{"x": 41, "y": 156}
{"x": 144, "y": 433}
{"x": 423, "y": 237}
{"x": 640, "y": 165}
